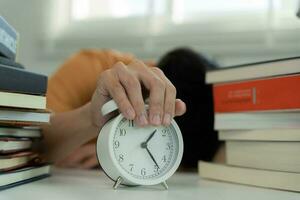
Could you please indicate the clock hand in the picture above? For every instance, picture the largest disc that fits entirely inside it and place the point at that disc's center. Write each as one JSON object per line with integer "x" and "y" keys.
{"x": 152, "y": 157}
{"x": 152, "y": 134}
{"x": 144, "y": 144}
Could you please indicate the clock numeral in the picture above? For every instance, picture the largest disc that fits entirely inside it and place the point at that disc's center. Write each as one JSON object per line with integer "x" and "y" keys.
{"x": 121, "y": 158}
{"x": 116, "y": 144}
{"x": 143, "y": 171}
{"x": 164, "y": 158}
{"x": 130, "y": 123}
{"x": 164, "y": 132}
{"x": 122, "y": 132}
{"x": 169, "y": 146}
{"x": 131, "y": 167}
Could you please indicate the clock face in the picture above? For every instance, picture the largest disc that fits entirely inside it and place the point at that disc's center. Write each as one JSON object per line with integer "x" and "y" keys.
{"x": 145, "y": 152}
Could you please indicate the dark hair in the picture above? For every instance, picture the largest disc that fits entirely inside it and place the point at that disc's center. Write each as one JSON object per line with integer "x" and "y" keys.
{"x": 186, "y": 70}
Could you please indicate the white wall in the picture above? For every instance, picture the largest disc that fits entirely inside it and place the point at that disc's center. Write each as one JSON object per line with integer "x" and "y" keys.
{"x": 35, "y": 21}
{"x": 30, "y": 18}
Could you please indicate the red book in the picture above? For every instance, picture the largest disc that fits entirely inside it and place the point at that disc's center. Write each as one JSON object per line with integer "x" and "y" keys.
{"x": 277, "y": 93}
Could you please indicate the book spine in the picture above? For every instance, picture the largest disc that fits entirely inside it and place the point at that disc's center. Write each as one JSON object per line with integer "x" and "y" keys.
{"x": 21, "y": 124}
{"x": 20, "y": 81}
{"x": 281, "y": 93}
{"x": 7, "y": 62}
{"x": 283, "y": 135}
{"x": 8, "y": 40}
{"x": 256, "y": 177}
{"x": 261, "y": 154}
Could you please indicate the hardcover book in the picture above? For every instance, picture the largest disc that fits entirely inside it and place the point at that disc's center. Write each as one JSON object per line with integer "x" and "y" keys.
{"x": 12, "y": 145}
{"x": 257, "y": 120}
{"x": 18, "y": 100}
{"x": 10, "y": 63}
{"x": 250, "y": 71}
{"x": 20, "y": 81}
{"x": 28, "y": 132}
{"x": 278, "y": 93}
{"x": 22, "y": 176}
{"x": 273, "y": 155}
{"x": 250, "y": 176}
{"x": 15, "y": 161}
{"x": 290, "y": 135}
{"x": 19, "y": 117}
{"x": 8, "y": 40}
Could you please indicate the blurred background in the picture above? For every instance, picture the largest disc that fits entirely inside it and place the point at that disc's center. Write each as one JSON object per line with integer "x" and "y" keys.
{"x": 228, "y": 31}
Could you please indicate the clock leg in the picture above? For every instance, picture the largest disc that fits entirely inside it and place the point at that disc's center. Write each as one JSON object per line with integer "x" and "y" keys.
{"x": 165, "y": 185}
{"x": 118, "y": 182}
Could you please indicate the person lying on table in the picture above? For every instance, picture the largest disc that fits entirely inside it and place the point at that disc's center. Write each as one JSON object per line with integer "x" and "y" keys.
{"x": 90, "y": 78}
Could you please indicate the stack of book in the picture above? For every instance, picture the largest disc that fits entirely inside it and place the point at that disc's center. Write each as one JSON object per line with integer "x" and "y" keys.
{"x": 257, "y": 115}
{"x": 22, "y": 111}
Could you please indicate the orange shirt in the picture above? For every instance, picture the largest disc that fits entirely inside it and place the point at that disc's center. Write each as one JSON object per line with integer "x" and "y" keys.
{"x": 74, "y": 83}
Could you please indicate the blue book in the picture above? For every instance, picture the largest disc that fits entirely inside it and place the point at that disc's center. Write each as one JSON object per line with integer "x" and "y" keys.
{"x": 18, "y": 80}
{"x": 24, "y": 175}
{"x": 8, "y": 40}
{"x": 10, "y": 63}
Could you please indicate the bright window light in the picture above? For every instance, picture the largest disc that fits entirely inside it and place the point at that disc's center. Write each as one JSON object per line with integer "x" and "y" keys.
{"x": 186, "y": 9}
{"x": 95, "y": 9}
{"x": 80, "y": 9}
{"x": 181, "y": 11}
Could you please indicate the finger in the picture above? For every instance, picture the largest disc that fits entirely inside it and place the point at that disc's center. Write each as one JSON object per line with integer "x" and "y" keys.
{"x": 134, "y": 92}
{"x": 89, "y": 163}
{"x": 90, "y": 154}
{"x": 180, "y": 107}
{"x": 117, "y": 92}
{"x": 157, "y": 95}
{"x": 72, "y": 160}
{"x": 156, "y": 87}
{"x": 170, "y": 97}
{"x": 78, "y": 156}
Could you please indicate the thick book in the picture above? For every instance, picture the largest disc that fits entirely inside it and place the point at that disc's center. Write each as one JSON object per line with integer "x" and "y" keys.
{"x": 22, "y": 132}
{"x": 12, "y": 145}
{"x": 23, "y": 117}
{"x": 18, "y": 100}
{"x": 281, "y": 156}
{"x": 278, "y": 93}
{"x": 249, "y": 176}
{"x": 10, "y": 63}
{"x": 17, "y": 80}
{"x": 8, "y": 40}
{"x": 261, "y": 135}
{"x": 23, "y": 176}
{"x": 15, "y": 161}
{"x": 254, "y": 70}
{"x": 257, "y": 120}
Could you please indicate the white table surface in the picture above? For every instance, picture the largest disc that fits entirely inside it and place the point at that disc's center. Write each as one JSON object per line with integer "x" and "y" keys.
{"x": 84, "y": 185}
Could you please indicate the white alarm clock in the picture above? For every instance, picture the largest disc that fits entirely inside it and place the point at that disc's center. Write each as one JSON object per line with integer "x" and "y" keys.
{"x": 131, "y": 155}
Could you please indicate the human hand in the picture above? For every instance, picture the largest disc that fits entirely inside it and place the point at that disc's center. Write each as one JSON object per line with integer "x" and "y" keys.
{"x": 84, "y": 158}
{"x": 123, "y": 83}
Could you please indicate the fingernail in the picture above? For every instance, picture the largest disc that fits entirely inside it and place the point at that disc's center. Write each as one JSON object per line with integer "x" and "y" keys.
{"x": 156, "y": 119}
{"x": 167, "y": 119}
{"x": 142, "y": 120}
{"x": 130, "y": 113}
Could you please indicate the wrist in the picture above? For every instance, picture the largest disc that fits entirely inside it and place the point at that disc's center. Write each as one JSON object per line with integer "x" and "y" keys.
{"x": 86, "y": 116}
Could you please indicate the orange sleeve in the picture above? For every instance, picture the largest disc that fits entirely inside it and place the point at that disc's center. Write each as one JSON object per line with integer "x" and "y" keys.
{"x": 73, "y": 84}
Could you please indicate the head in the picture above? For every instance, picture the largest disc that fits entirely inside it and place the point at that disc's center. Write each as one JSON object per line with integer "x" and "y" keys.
{"x": 186, "y": 70}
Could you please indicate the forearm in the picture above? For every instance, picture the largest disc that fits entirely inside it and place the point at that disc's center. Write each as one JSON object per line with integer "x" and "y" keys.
{"x": 66, "y": 132}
